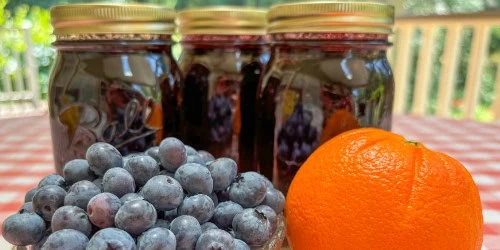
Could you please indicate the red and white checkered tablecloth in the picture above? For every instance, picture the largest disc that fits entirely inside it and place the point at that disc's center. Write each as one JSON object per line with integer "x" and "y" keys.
{"x": 477, "y": 147}
{"x": 26, "y": 156}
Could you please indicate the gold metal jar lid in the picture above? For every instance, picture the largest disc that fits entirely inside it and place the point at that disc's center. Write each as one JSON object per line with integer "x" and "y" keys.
{"x": 223, "y": 20}
{"x": 321, "y": 17}
{"x": 84, "y": 19}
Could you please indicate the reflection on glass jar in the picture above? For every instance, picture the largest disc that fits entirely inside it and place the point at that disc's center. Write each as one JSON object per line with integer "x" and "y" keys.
{"x": 222, "y": 66}
{"x": 320, "y": 84}
{"x": 108, "y": 87}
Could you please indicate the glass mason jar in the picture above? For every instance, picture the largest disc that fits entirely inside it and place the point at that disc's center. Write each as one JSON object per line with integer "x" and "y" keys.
{"x": 114, "y": 79}
{"x": 328, "y": 73}
{"x": 223, "y": 56}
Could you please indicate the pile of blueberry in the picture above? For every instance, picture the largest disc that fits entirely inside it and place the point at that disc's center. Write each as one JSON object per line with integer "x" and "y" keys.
{"x": 297, "y": 138}
{"x": 169, "y": 197}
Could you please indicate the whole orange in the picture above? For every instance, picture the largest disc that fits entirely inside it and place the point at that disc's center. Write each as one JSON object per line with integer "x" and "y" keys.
{"x": 372, "y": 189}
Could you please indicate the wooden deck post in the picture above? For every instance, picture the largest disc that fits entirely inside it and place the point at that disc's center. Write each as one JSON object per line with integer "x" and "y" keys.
{"x": 449, "y": 69}
{"x": 423, "y": 72}
{"x": 495, "y": 107}
{"x": 479, "y": 50}
{"x": 403, "y": 52}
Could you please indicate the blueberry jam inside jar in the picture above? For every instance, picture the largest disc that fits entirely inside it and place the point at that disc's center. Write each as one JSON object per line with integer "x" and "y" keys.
{"x": 111, "y": 84}
{"x": 328, "y": 73}
{"x": 222, "y": 63}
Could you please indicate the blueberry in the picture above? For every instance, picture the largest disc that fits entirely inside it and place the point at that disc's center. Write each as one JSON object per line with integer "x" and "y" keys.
{"x": 98, "y": 183}
{"x": 241, "y": 245}
{"x": 270, "y": 215}
{"x": 297, "y": 137}
{"x": 130, "y": 156}
{"x": 103, "y": 156}
{"x": 306, "y": 150}
{"x": 163, "y": 192}
{"x": 214, "y": 198}
{"x": 283, "y": 149}
{"x": 274, "y": 199}
{"x": 269, "y": 184}
{"x": 118, "y": 181}
{"x": 111, "y": 238}
{"x": 195, "y": 178}
{"x": 215, "y": 239}
{"x": 47, "y": 200}
{"x": 131, "y": 197}
{"x": 26, "y": 207}
{"x": 230, "y": 231}
{"x": 187, "y": 230}
{"x": 136, "y": 217}
{"x": 170, "y": 215}
{"x": 223, "y": 171}
{"x": 190, "y": 150}
{"x": 71, "y": 217}
{"x": 135, "y": 154}
{"x": 102, "y": 209}
{"x": 223, "y": 195}
{"x": 195, "y": 159}
{"x": 220, "y": 118}
{"x": 80, "y": 193}
{"x": 23, "y": 229}
{"x": 52, "y": 179}
{"x": 172, "y": 153}
{"x": 154, "y": 152}
{"x": 29, "y": 195}
{"x": 157, "y": 238}
{"x": 66, "y": 239}
{"x": 39, "y": 244}
{"x": 199, "y": 206}
{"x": 162, "y": 223}
{"x": 142, "y": 168}
{"x": 252, "y": 227}
{"x": 225, "y": 212}
{"x": 296, "y": 155}
{"x": 206, "y": 156}
{"x": 208, "y": 225}
{"x": 77, "y": 170}
{"x": 248, "y": 190}
{"x": 165, "y": 172}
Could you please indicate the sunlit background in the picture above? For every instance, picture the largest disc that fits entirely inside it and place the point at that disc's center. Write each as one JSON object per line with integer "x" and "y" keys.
{"x": 34, "y": 15}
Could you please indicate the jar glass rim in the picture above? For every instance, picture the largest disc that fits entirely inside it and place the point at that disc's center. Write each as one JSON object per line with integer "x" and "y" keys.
{"x": 112, "y": 46}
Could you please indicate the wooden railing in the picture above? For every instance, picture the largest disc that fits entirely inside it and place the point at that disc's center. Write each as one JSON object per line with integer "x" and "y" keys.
{"x": 401, "y": 57}
{"x": 19, "y": 92}
{"x": 21, "y": 86}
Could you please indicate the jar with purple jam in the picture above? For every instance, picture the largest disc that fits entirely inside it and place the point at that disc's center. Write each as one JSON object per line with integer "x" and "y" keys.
{"x": 328, "y": 73}
{"x": 114, "y": 79}
{"x": 224, "y": 55}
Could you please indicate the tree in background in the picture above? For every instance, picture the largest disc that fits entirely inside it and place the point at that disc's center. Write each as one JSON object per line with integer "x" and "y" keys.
{"x": 18, "y": 14}
{"x": 419, "y": 7}
{"x": 37, "y": 20}
{"x": 409, "y": 6}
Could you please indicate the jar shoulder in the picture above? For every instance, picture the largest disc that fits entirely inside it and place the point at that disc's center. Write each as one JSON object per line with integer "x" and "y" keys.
{"x": 349, "y": 68}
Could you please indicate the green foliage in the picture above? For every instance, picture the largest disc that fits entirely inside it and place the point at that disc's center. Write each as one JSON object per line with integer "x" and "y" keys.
{"x": 37, "y": 20}
{"x": 488, "y": 79}
{"x": 419, "y": 7}
{"x": 2, "y": 10}
{"x": 34, "y": 14}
